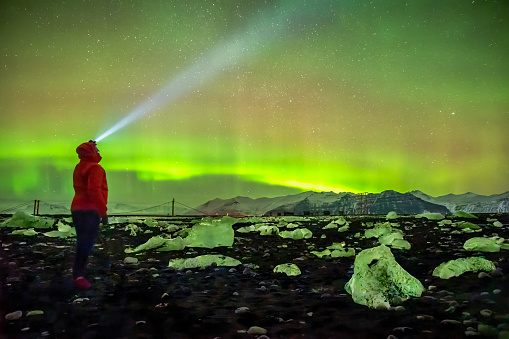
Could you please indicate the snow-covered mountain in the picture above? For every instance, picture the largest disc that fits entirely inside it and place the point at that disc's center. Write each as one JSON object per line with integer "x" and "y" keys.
{"x": 469, "y": 202}
{"x": 323, "y": 203}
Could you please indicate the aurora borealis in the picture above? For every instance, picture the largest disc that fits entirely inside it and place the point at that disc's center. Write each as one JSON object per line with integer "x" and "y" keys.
{"x": 275, "y": 97}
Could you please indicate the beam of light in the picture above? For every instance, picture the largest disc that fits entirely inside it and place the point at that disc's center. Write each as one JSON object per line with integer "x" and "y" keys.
{"x": 268, "y": 27}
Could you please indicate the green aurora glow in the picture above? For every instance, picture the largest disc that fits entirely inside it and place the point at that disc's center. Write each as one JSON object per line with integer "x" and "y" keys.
{"x": 348, "y": 96}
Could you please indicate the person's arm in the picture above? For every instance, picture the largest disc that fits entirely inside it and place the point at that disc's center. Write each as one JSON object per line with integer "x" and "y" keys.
{"x": 96, "y": 177}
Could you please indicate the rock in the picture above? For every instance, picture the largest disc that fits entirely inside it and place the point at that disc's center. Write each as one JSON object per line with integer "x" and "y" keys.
{"x": 503, "y": 335}
{"x": 487, "y": 330}
{"x": 256, "y": 330}
{"x": 242, "y": 310}
{"x": 471, "y": 333}
{"x": 13, "y": 315}
{"x": 486, "y": 313}
{"x": 450, "y": 322}
{"x": 482, "y": 275}
{"x": 130, "y": 260}
{"x": 425, "y": 317}
{"x": 402, "y": 329}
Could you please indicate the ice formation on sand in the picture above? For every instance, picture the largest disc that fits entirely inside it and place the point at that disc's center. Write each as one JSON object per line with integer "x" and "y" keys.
{"x": 204, "y": 260}
{"x": 288, "y": 269}
{"x": 212, "y": 233}
{"x": 455, "y": 268}
{"x": 335, "y": 250}
{"x": 23, "y": 220}
{"x": 431, "y": 216}
{"x": 483, "y": 244}
{"x": 379, "y": 281}
{"x": 297, "y": 234}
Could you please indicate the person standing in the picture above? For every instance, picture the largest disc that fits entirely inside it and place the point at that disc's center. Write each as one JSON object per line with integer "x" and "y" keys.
{"x": 88, "y": 207}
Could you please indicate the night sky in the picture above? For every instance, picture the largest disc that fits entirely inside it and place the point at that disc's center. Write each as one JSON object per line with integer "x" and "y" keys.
{"x": 255, "y": 98}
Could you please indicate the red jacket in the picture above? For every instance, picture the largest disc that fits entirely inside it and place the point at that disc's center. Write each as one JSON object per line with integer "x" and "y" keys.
{"x": 89, "y": 181}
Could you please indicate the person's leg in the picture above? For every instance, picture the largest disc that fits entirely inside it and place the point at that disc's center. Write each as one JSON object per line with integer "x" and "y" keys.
{"x": 87, "y": 229}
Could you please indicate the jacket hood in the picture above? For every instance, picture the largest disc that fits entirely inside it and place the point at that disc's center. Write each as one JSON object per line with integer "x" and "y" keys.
{"x": 88, "y": 151}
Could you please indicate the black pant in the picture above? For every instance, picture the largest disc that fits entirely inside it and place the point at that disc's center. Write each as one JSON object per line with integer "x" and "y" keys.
{"x": 87, "y": 229}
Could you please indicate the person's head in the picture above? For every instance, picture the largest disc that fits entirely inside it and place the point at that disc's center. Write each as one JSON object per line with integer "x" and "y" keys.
{"x": 88, "y": 151}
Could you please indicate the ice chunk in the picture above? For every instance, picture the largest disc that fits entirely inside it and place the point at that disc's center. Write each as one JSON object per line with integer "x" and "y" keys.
{"x": 151, "y": 243}
{"x": 445, "y": 222}
{"x": 343, "y": 228}
{"x": 212, "y": 233}
{"x": 380, "y": 229}
{"x": 335, "y": 250}
{"x": 204, "y": 260}
{"x": 457, "y": 267}
{"x": 175, "y": 244}
{"x": 28, "y": 232}
{"x": 268, "y": 230}
{"x": 461, "y": 214}
{"x": 431, "y": 216}
{"x": 288, "y": 269}
{"x": 391, "y": 215}
{"x": 299, "y": 233}
{"x": 23, "y": 220}
{"x": 483, "y": 244}
{"x": 379, "y": 281}
{"x": 468, "y": 225}
{"x": 497, "y": 223}
{"x": 64, "y": 231}
{"x": 246, "y": 229}
{"x": 389, "y": 238}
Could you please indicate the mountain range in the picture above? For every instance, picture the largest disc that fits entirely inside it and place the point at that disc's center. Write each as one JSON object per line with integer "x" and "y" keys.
{"x": 346, "y": 203}
{"x": 307, "y": 203}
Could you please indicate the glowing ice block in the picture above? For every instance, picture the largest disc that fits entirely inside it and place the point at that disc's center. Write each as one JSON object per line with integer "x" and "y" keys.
{"x": 461, "y": 214}
{"x": 455, "y": 268}
{"x": 204, "y": 260}
{"x": 26, "y": 232}
{"x": 297, "y": 234}
{"x": 380, "y": 229}
{"x": 288, "y": 269}
{"x": 63, "y": 231}
{"x": 151, "y": 243}
{"x": 431, "y": 216}
{"x": 212, "y": 233}
{"x": 483, "y": 244}
{"x": 391, "y": 215}
{"x": 23, "y": 220}
{"x": 336, "y": 250}
{"x": 379, "y": 281}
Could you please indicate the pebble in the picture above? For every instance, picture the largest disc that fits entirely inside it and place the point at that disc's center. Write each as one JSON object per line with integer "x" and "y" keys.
{"x": 471, "y": 333}
{"x": 425, "y": 317}
{"x": 399, "y": 309}
{"x": 256, "y": 330}
{"x": 451, "y": 322}
{"x": 487, "y": 330}
{"x": 242, "y": 310}
{"x": 402, "y": 329}
{"x": 486, "y": 313}
{"x": 13, "y": 315}
{"x": 503, "y": 335}
{"x": 497, "y": 273}
{"x": 263, "y": 336}
{"x": 503, "y": 327}
{"x": 497, "y": 291}
{"x": 451, "y": 309}
{"x": 482, "y": 275}
{"x": 130, "y": 260}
